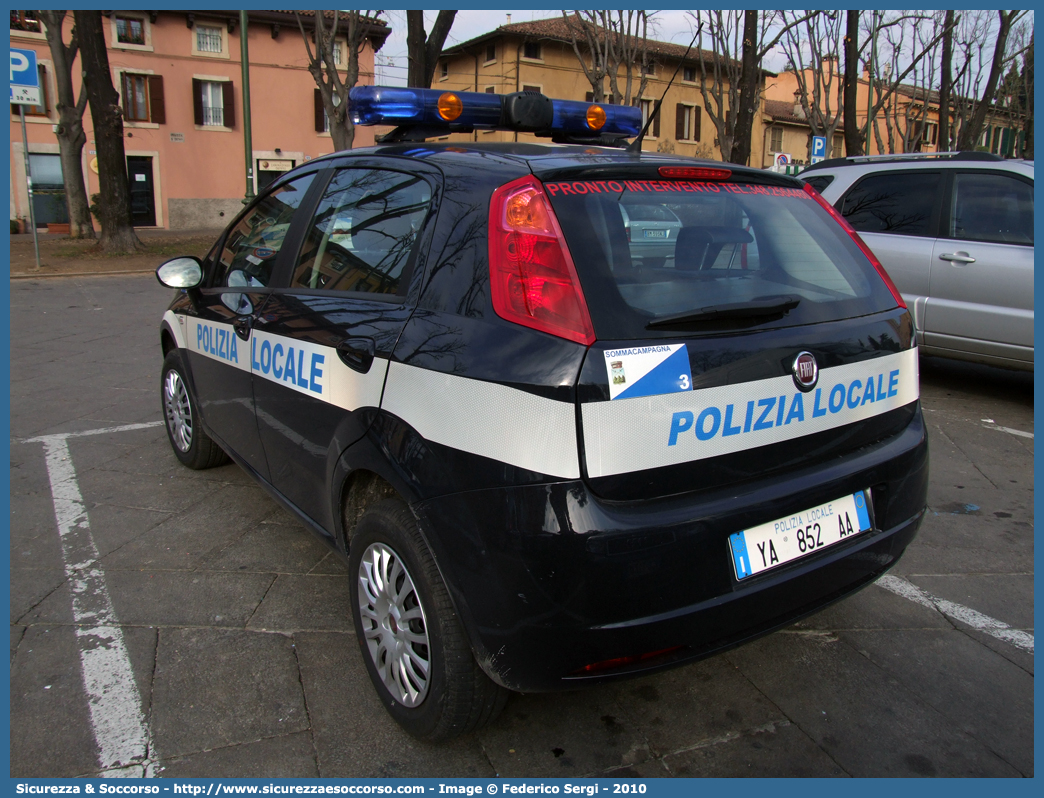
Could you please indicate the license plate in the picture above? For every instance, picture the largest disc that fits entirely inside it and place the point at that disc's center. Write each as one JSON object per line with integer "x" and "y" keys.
{"x": 656, "y": 234}
{"x": 784, "y": 540}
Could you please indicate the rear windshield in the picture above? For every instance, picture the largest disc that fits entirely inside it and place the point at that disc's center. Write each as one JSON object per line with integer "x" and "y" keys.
{"x": 714, "y": 245}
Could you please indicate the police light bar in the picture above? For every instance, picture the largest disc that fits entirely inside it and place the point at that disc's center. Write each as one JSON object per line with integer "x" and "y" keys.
{"x": 610, "y": 120}
{"x": 433, "y": 112}
{"x": 386, "y": 105}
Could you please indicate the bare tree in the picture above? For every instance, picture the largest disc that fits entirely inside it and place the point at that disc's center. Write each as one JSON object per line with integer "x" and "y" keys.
{"x": 117, "y": 231}
{"x": 593, "y": 46}
{"x": 739, "y": 42}
{"x": 905, "y": 115}
{"x": 70, "y": 133}
{"x": 323, "y": 65}
{"x": 972, "y": 130}
{"x": 850, "y": 84}
{"x": 1027, "y": 88}
{"x": 423, "y": 52}
{"x": 813, "y": 48}
{"x": 610, "y": 45}
{"x": 946, "y": 81}
{"x": 632, "y": 34}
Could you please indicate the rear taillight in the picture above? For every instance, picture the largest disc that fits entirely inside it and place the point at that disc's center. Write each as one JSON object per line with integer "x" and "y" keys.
{"x": 533, "y": 280}
{"x": 859, "y": 242}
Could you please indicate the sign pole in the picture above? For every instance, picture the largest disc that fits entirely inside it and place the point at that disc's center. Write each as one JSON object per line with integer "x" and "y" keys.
{"x": 29, "y": 184}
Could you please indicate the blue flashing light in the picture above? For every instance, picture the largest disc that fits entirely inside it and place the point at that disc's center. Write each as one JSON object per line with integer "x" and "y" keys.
{"x": 620, "y": 120}
{"x": 384, "y": 105}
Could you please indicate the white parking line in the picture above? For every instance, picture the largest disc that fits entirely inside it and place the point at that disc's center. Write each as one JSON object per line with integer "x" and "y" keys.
{"x": 988, "y": 423}
{"x": 976, "y": 620}
{"x": 112, "y": 696}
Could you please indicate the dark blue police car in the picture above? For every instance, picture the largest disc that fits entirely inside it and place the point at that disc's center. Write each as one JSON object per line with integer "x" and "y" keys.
{"x": 548, "y": 462}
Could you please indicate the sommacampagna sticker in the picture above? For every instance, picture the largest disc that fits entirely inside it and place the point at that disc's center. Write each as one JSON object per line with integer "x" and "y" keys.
{"x": 648, "y": 371}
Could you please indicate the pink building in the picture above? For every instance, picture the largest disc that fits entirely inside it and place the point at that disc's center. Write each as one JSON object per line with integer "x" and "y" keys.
{"x": 180, "y": 82}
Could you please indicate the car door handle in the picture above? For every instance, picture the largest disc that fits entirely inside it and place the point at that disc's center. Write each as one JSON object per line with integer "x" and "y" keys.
{"x": 242, "y": 326}
{"x": 957, "y": 257}
{"x": 357, "y": 353}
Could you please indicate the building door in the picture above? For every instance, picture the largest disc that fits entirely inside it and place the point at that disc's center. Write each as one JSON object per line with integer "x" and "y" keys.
{"x": 142, "y": 195}
{"x": 49, "y": 205}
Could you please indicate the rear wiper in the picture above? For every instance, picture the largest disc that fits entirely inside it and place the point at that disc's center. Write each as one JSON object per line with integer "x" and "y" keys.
{"x": 754, "y": 308}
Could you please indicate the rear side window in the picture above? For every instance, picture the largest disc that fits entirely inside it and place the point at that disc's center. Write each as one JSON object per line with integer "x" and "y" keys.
{"x": 893, "y": 202}
{"x": 364, "y": 231}
{"x": 818, "y": 182}
{"x": 992, "y": 207}
{"x": 734, "y": 243}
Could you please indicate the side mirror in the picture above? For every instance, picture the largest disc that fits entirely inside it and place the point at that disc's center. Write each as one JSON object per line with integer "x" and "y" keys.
{"x": 184, "y": 272}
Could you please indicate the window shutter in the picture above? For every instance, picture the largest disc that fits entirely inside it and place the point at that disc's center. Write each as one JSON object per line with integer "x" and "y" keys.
{"x": 228, "y": 101}
{"x": 43, "y": 106}
{"x": 679, "y": 121}
{"x": 197, "y": 100}
{"x": 320, "y": 127}
{"x": 157, "y": 108}
{"x": 656, "y": 122}
{"x": 697, "y": 113}
{"x": 126, "y": 96}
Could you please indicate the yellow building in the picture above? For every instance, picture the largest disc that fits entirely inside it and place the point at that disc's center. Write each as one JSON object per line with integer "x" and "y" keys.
{"x": 907, "y": 122}
{"x": 539, "y": 55}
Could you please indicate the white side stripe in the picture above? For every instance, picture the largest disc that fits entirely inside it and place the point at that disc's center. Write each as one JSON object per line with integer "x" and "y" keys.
{"x": 116, "y": 715}
{"x": 976, "y": 620}
{"x": 486, "y": 419}
{"x": 308, "y": 368}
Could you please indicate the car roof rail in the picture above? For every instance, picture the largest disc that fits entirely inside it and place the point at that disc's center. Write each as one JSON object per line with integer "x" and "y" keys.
{"x": 905, "y": 156}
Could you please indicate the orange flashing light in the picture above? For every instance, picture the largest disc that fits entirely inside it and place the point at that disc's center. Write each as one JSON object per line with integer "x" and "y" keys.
{"x": 596, "y": 117}
{"x": 450, "y": 106}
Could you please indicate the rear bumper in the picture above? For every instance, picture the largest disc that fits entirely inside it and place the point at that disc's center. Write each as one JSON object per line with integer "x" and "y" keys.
{"x": 549, "y": 578}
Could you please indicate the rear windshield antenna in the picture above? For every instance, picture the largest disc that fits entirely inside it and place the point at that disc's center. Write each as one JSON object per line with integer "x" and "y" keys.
{"x": 636, "y": 145}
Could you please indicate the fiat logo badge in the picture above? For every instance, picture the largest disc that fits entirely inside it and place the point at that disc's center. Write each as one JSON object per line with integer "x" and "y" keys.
{"x": 806, "y": 371}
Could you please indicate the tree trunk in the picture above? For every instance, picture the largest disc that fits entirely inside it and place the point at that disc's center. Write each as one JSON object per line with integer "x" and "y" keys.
{"x": 853, "y": 140}
{"x": 1027, "y": 125}
{"x": 423, "y": 52}
{"x": 750, "y": 76}
{"x": 117, "y": 232}
{"x": 946, "y": 84}
{"x": 71, "y": 137}
{"x": 971, "y": 132}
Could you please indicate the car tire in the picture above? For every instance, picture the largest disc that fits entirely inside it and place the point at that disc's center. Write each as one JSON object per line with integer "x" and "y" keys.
{"x": 454, "y": 696}
{"x": 191, "y": 445}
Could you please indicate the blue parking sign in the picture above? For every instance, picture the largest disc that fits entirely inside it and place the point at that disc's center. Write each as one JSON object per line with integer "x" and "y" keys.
{"x": 819, "y": 146}
{"x": 25, "y": 80}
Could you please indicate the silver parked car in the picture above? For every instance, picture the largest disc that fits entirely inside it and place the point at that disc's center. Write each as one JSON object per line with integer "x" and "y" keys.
{"x": 955, "y": 233}
{"x": 652, "y": 232}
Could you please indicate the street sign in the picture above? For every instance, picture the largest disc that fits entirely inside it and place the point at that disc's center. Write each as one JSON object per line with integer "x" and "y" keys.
{"x": 782, "y": 158}
{"x": 25, "y": 79}
{"x": 818, "y": 149}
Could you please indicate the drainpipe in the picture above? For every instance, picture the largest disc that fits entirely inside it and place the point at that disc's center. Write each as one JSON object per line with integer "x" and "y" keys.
{"x": 518, "y": 66}
{"x": 248, "y": 143}
{"x": 475, "y": 133}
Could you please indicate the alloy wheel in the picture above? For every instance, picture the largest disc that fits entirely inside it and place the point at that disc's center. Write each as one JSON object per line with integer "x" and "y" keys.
{"x": 394, "y": 625}
{"x": 178, "y": 410}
